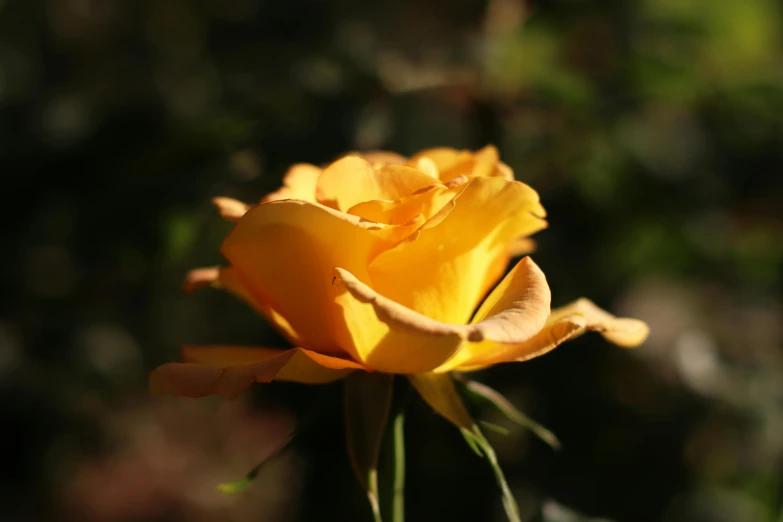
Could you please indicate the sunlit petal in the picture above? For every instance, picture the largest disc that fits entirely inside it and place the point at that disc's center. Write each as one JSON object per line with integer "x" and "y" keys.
{"x": 567, "y": 322}
{"x": 285, "y": 252}
{"x": 423, "y": 203}
{"x": 352, "y": 180}
{"x": 390, "y": 337}
{"x": 512, "y": 314}
{"x": 622, "y": 331}
{"x": 441, "y": 270}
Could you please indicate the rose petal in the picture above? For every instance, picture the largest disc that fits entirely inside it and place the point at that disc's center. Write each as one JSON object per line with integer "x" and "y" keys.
{"x": 390, "y": 337}
{"x": 441, "y": 270}
{"x": 352, "y": 180}
{"x": 622, "y": 331}
{"x": 445, "y": 159}
{"x": 424, "y": 203}
{"x": 567, "y": 322}
{"x": 516, "y": 309}
{"x": 298, "y": 183}
{"x": 550, "y": 337}
{"x": 230, "y": 209}
{"x": 427, "y": 166}
{"x": 229, "y": 370}
{"x": 451, "y": 163}
{"x": 285, "y": 252}
{"x": 522, "y": 246}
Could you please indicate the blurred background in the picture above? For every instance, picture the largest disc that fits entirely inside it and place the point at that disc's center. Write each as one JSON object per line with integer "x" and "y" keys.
{"x": 653, "y": 130}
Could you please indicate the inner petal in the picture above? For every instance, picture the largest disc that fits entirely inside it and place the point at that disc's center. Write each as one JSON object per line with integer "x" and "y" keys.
{"x": 441, "y": 270}
{"x": 352, "y": 180}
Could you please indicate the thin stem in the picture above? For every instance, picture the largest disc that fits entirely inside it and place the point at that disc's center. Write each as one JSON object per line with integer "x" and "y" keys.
{"x": 392, "y": 476}
{"x": 398, "y": 500}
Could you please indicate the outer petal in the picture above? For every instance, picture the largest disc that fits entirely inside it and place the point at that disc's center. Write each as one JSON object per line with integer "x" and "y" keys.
{"x": 567, "y": 322}
{"x": 298, "y": 183}
{"x": 392, "y": 338}
{"x": 352, "y": 180}
{"x": 441, "y": 270}
{"x": 230, "y": 370}
{"x": 519, "y": 307}
{"x": 622, "y": 331}
{"x": 550, "y": 337}
{"x": 285, "y": 252}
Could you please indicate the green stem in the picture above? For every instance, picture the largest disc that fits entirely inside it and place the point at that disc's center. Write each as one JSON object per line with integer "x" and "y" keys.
{"x": 398, "y": 499}
{"x": 392, "y": 477}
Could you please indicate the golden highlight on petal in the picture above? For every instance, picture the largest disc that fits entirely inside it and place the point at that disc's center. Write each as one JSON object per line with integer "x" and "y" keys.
{"x": 229, "y": 370}
{"x": 352, "y": 180}
{"x": 447, "y": 164}
{"x": 447, "y": 261}
{"x": 512, "y": 314}
{"x": 423, "y": 204}
{"x": 390, "y": 337}
{"x": 386, "y": 336}
{"x": 285, "y": 252}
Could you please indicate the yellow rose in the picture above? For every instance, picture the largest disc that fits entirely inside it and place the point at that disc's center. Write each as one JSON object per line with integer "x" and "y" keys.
{"x": 381, "y": 263}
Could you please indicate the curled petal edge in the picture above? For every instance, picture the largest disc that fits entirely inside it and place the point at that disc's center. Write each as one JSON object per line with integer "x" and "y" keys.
{"x": 502, "y": 325}
{"x": 565, "y": 323}
{"x": 622, "y": 331}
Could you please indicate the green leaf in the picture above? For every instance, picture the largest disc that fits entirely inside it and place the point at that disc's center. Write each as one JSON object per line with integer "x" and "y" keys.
{"x": 471, "y": 440}
{"x": 439, "y": 392}
{"x": 483, "y": 395}
{"x": 495, "y": 427}
{"x": 235, "y": 488}
{"x": 509, "y": 503}
{"x": 367, "y": 402}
